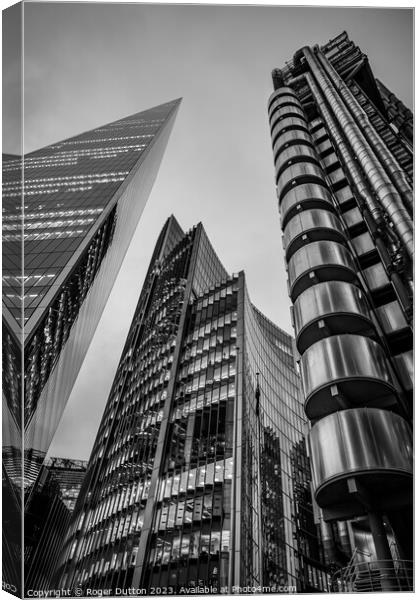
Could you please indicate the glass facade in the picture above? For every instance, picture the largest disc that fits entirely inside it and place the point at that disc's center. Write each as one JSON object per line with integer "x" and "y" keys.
{"x": 276, "y": 499}
{"x": 48, "y": 516}
{"x": 69, "y": 213}
{"x": 69, "y": 474}
{"x": 193, "y": 485}
{"x": 80, "y": 198}
{"x": 67, "y": 188}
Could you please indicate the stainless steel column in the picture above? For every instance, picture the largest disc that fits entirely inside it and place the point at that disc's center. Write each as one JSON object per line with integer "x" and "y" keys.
{"x": 382, "y": 152}
{"x": 386, "y": 192}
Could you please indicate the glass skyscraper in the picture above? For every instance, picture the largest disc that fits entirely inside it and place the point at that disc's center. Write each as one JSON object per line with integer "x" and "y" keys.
{"x": 69, "y": 213}
{"x": 198, "y": 477}
{"x": 48, "y": 517}
{"x": 343, "y": 156}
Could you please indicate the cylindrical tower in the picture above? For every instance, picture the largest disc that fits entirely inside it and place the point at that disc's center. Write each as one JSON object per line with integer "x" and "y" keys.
{"x": 348, "y": 242}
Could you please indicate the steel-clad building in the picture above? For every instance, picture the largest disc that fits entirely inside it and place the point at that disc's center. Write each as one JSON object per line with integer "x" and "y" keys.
{"x": 342, "y": 147}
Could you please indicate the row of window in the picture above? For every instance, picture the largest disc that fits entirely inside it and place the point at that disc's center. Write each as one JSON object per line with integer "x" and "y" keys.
{"x": 181, "y": 483}
{"x": 205, "y": 355}
{"x": 202, "y": 508}
{"x": 201, "y": 399}
{"x": 190, "y": 545}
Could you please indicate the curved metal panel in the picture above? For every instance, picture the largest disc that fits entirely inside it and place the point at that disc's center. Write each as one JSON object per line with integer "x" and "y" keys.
{"x": 284, "y": 100}
{"x": 280, "y": 92}
{"x": 286, "y": 124}
{"x": 287, "y": 111}
{"x": 405, "y": 365}
{"x": 294, "y": 150}
{"x": 290, "y": 137}
{"x": 294, "y": 153}
{"x": 309, "y": 226}
{"x": 343, "y": 371}
{"x": 304, "y": 195}
{"x": 327, "y": 260}
{"x": 341, "y": 306}
{"x": 292, "y": 174}
{"x": 372, "y": 444}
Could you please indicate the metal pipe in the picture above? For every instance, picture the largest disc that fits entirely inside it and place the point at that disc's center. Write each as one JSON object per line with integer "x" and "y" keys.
{"x": 356, "y": 69}
{"x": 368, "y": 202}
{"x": 295, "y": 80}
{"x": 346, "y": 157}
{"x": 377, "y": 177}
{"x": 371, "y": 208}
{"x": 344, "y": 537}
{"x": 384, "y": 561}
{"x": 358, "y": 180}
{"x": 328, "y": 542}
{"x": 385, "y": 156}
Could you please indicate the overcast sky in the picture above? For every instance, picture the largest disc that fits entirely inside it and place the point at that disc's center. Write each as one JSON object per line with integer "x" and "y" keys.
{"x": 89, "y": 64}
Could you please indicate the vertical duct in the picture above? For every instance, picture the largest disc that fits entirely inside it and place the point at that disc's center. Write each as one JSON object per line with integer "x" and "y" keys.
{"x": 375, "y": 173}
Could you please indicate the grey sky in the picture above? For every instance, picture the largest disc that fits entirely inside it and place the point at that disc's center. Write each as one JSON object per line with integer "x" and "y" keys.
{"x": 88, "y": 64}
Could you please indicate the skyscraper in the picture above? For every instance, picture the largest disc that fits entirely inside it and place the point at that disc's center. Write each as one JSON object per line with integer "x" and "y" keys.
{"x": 69, "y": 213}
{"x": 198, "y": 476}
{"x": 48, "y": 518}
{"x": 342, "y": 147}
